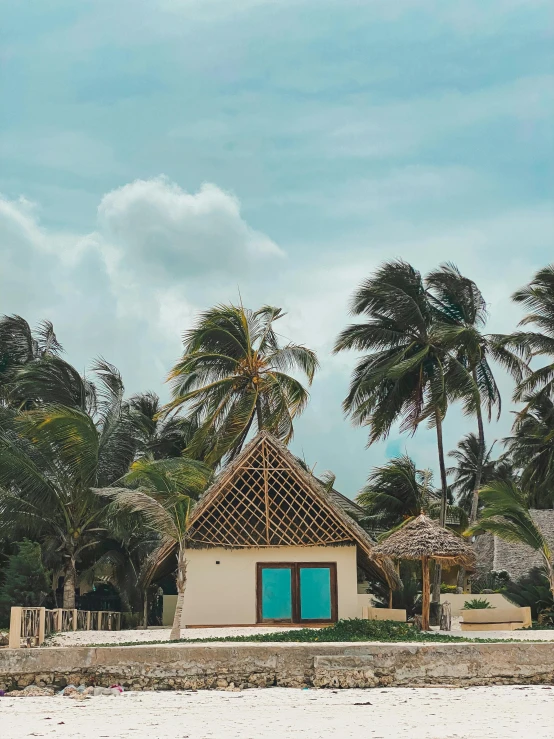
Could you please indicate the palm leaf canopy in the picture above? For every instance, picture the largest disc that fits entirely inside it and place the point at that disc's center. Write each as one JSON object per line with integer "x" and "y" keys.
{"x": 531, "y": 448}
{"x": 234, "y": 373}
{"x": 394, "y": 491}
{"x": 162, "y": 492}
{"x": 405, "y": 374}
{"x": 506, "y": 514}
{"x": 460, "y": 314}
{"x": 538, "y": 298}
{"x": 423, "y": 537}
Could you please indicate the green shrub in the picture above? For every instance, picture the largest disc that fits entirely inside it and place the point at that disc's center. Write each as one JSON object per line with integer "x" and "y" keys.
{"x": 25, "y": 580}
{"x": 476, "y": 604}
{"x": 533, "y": 590}
{"x": 494, "y": 581}
{"x": 407, "y": 597}
{"x": 448, "y": 588}
{"x": 131, "y": 620}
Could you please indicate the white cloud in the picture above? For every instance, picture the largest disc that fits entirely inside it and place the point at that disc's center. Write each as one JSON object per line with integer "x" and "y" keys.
{"x": 129, "y": 289}
{"x": 114, "y": 292}
{"x": 158, "y": 228}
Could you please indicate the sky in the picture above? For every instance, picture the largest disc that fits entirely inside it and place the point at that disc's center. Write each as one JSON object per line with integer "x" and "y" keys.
{"x": 161, "y": 156}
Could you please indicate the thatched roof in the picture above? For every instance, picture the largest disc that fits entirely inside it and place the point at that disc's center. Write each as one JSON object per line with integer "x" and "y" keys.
{"x": 278, "y": 461}
{"x": 423, "y": 537}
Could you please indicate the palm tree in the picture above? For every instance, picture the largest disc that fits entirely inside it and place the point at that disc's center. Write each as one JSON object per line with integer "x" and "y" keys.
{"x": 395, "y": 492}
{"x": 20, "y": 346}
{"x": 157, "y": 437}
{"x": 471, "y": 470}
{"x": 163, "y": 493}
{"x": 506, "y": 514}
{"x": 461, "y": 314}
{"x": 398, "y": 491}
{"x": 405, "y": 374}
{"x": 538, "y": 298}
{"x": 531, "y": 448}
{"x": 122, "y": 560}
{"x": 233, "y": 377}
{"x": 49, "y": 463}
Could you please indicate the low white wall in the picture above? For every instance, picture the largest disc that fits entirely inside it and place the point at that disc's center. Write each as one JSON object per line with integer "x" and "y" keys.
{"x": 224, "y": 594}
{"x": 169, "y": 606}
{"x": 457, "y": 600}
{"x": 364, "y": 601}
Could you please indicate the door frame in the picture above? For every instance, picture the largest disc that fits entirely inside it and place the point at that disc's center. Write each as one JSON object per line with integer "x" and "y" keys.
{"x": 295, "y": 567}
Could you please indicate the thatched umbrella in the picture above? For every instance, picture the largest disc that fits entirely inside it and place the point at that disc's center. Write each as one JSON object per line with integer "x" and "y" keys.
{"x": 421, "y": 538}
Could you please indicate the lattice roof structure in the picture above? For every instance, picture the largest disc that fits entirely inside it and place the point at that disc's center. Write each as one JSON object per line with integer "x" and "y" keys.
{"x": 265, "y": 498}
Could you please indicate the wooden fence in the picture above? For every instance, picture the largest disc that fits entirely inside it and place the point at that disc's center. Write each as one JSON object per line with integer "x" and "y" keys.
{"x": 30, "y": 626}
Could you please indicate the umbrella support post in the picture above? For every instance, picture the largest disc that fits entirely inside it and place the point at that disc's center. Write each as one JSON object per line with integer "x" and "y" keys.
{"x": 426, "y": 593}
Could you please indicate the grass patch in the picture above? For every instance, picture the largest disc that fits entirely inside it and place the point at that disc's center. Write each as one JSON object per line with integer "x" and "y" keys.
{"x": 347, "y": 630}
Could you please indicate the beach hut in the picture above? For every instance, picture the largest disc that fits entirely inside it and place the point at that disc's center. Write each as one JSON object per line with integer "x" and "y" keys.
{"x": 268, "y": 543}
{"x": 424, "y": 539}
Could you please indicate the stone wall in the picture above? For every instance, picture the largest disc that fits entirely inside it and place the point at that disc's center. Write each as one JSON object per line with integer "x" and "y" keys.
{"x": 238, "y": 666}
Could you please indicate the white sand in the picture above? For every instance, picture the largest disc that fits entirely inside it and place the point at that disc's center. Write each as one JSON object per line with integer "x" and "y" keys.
{"x": 283, "y": 713}
{"x": 82, "y": 638}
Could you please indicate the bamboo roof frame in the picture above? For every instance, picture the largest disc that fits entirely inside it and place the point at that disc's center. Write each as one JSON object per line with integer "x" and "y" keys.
{"x": 276, "y": 516}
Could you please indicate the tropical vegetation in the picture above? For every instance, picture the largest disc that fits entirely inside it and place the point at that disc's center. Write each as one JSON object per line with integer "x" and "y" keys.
{"x": 102, "y": 484}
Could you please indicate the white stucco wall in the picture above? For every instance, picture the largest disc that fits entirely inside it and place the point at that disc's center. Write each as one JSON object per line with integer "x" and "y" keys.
{"x": 225, "y": 593}
{"x": 457, "y": 600}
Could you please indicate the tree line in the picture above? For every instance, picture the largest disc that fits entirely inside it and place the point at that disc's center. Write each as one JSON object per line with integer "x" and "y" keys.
{"x": 105, "y": 483}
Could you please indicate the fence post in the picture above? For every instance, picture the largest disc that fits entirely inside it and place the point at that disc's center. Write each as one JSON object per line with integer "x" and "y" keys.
{"x": 118, "y": 622}
{"x": 41, "y": 626}
{"x": 88, "y": 620}
{"x": 99, "y": 624}
{"x": 59, "y": 619}
{"x": 74, "y": 619}
{"x": 16, "y": 614}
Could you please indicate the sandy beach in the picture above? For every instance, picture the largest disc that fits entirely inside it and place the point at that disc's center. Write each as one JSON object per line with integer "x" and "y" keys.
{"x": 282, "y": 713}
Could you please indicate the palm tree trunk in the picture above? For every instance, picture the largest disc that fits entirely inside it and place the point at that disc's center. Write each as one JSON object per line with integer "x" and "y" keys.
{"x": 242, "y": 438}
{"x": 69, "y": 584}
{"x": 444, "y": 502}
{"x": 480, "y": 460}
{"x": 145, "y": 609}
{"x": 259, "y": 417}
{"x": 181, "y": 585}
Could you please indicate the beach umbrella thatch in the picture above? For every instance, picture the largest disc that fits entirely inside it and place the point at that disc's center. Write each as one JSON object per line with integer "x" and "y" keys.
{"x": 424, "y": 539}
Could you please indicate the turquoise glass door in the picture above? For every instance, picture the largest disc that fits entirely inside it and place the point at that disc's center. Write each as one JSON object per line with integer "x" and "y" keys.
{"x": 315, "y": 593}
{"x": 276, "y": 595}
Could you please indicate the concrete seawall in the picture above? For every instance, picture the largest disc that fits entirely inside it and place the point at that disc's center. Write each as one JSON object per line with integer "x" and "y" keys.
{"x": 243, "y": 665}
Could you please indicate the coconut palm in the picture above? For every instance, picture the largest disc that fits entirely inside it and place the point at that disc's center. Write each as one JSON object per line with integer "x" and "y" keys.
{"x": 158, "y": 437}
{"x": 531, "y": 448}
{"x": 20, "y": 346}
{"x": 471, "y": 470}
{"x": 506, "y": 514}
{"x": 49, "y": 463}
{"x": 461, "y": 315}
{"x": 538, "y": 298}
{"x": 405, "y": 373}
{"x": 398, "y": 491}
{"x": 163, "y": 493}
{"x": 233, "y": 378}
{"x": 121, "y": 559}
{"x": 394, "y": 492}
